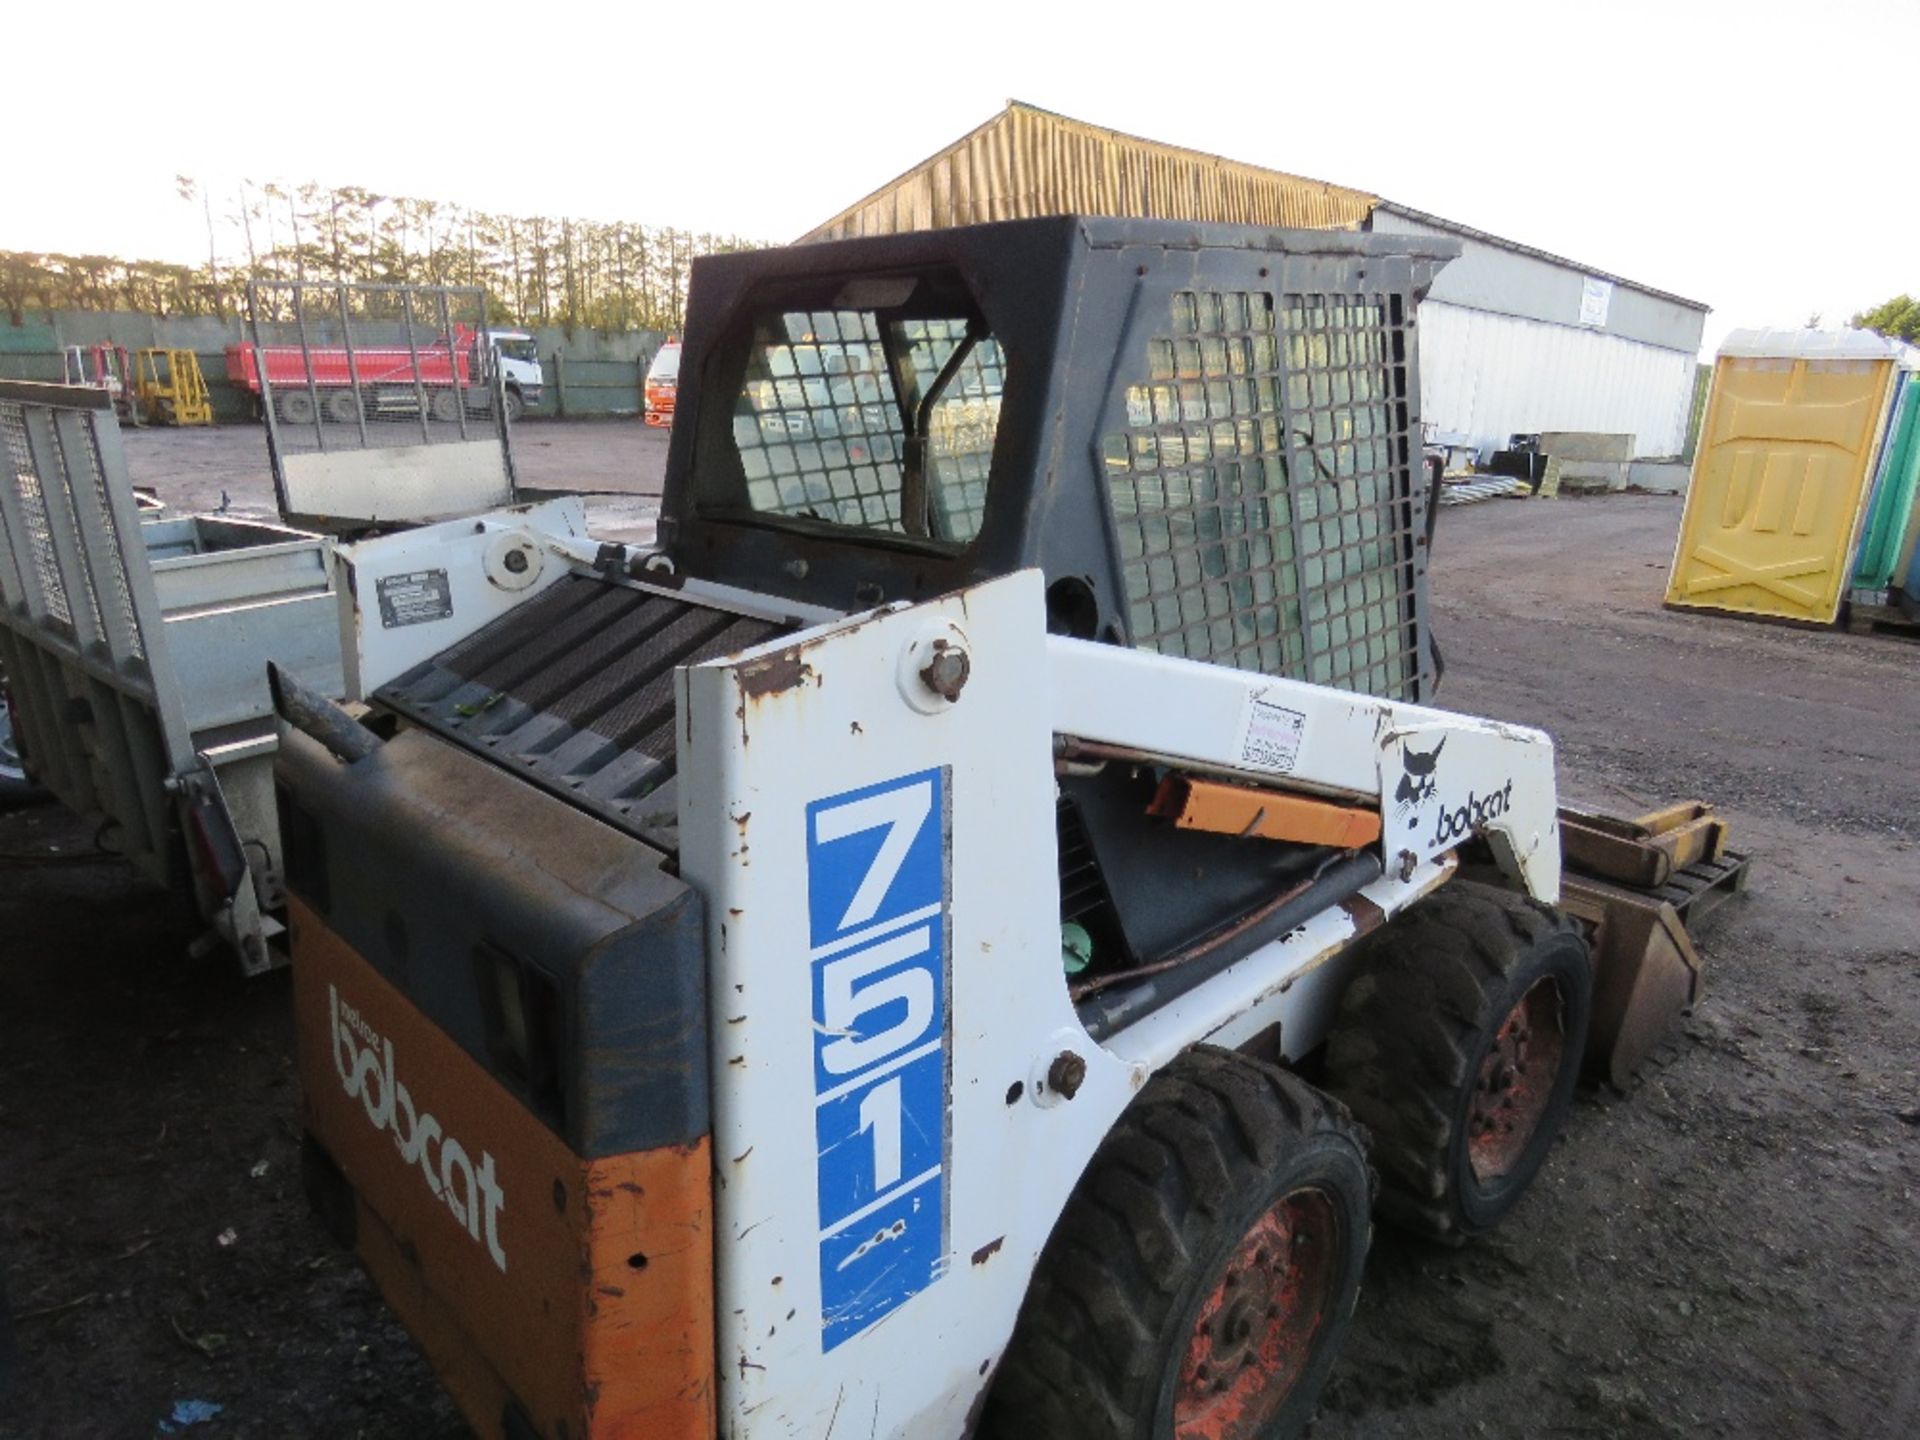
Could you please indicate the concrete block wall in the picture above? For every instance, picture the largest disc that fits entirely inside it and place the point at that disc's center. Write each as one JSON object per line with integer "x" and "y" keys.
{"x": 1589, "y": 455}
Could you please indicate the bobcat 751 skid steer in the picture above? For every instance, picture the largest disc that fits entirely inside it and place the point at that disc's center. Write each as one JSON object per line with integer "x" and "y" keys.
{"x": 943, "y": 944}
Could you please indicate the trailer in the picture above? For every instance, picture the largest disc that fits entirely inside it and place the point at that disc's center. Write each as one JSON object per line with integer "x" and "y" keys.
{"x": 135, "y": 655}
{"x": 134, "y": 652}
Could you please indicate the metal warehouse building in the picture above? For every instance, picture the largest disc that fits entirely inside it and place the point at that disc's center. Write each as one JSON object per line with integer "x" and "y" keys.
{"x": 1512, "y": 339}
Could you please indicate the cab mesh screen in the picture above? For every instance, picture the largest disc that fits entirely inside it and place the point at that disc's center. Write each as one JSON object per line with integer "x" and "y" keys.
{"x": 1260, "y": 489}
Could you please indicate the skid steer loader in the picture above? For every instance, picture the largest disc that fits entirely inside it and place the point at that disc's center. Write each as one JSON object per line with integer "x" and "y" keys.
{"x": 952, "y": 941}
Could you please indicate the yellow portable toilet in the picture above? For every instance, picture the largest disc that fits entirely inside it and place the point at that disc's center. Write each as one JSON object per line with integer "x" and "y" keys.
{"x": 1782, "y": 473}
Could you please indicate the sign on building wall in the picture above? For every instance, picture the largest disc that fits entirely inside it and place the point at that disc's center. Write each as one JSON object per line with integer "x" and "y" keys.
{"x": 1595, "y": 298}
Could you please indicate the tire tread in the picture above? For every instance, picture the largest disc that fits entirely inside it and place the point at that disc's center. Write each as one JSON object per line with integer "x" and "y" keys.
{"x": 1085, "y": 1359}
{"x": 1405, "y": 1040}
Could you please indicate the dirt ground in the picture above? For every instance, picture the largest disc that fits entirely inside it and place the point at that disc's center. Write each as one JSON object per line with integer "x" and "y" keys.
{"x": 1733, "y": 1250}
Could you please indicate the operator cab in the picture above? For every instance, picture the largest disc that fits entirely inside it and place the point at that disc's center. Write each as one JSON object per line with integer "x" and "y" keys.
{"x": 516, "y": 345}
{"x": 518, "y": 356}
{"x": 663, "y": 380}
{"x": 1199, "y": 433}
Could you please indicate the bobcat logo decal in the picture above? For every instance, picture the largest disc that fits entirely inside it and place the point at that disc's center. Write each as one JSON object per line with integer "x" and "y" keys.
{"x": 1417, "y": 782}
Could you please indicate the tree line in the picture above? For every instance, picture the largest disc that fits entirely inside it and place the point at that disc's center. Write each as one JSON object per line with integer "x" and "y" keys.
{"x": 536, "y": 270}
{"x": 1898, "y": 318}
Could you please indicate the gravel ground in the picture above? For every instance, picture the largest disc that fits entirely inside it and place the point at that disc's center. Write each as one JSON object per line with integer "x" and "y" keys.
{"x": 1732, "y": 1250}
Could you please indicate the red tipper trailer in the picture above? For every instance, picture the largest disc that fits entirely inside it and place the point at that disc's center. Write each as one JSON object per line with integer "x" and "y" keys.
{"x": 386, "y": 374}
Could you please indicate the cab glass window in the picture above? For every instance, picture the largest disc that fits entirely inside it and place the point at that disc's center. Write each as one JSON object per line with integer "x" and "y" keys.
{"x": 666, "y": 363}
{"x": 861, "y": 419}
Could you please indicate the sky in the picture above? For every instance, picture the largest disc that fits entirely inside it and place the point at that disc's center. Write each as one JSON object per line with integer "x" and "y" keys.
{"x": 1754, "y": 156}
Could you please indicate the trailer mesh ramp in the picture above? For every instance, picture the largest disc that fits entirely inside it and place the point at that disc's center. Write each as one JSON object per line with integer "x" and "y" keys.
{"x": 83, "y": 637}
{"x": 574, "y": 690}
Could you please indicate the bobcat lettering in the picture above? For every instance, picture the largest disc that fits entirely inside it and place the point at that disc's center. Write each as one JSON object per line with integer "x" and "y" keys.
{"x": 364, "y": 1061}
{"x": 1464, "y": 820}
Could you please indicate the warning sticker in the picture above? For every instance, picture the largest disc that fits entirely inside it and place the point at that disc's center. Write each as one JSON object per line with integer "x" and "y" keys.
{"x": 414, "y": 598}
{"x": 1272, "y": 735}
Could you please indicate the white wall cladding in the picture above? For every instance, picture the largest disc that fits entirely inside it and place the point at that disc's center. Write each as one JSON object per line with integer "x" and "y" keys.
{"x": 1505, "y": 278}
{"x": 1491, "y": 376}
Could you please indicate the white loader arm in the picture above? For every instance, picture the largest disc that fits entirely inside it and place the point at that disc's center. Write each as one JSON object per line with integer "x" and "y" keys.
{"x": 1436, "y": 778}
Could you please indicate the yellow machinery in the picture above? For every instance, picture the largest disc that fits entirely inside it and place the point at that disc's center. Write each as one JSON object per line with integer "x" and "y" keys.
{"x": 169, "y": 388}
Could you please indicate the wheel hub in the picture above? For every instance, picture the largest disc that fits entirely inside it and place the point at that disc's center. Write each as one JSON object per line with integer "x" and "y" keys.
{"x": 1255, "y": 1333}
{"x": 1516, "y": 1082}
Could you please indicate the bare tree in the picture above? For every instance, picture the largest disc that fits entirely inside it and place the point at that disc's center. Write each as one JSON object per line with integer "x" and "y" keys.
{"x": 539, "y": 269}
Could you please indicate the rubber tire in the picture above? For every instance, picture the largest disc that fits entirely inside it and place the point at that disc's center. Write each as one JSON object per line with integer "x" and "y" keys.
{"x": 1200, "y": 1155}
{"x": 443, "y": 406}
{"x": 516, "y": 404}
{"x": 1405, "y": 1053}
{"x": 341, "y": 407}
{"x": 295, "y": 407}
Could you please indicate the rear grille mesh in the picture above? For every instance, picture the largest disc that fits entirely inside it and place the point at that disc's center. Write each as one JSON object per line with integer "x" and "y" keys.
{"x": 1082, "y": 888}
{"x": 574, "y": 689}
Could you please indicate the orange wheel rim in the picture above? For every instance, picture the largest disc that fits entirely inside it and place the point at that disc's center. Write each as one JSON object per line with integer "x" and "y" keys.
{"x": 1516, "y": 1082}
{"x": 1256, "y": 1332}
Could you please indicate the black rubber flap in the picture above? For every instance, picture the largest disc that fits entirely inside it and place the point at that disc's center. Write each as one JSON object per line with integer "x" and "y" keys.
{"x": 574, "y": 690}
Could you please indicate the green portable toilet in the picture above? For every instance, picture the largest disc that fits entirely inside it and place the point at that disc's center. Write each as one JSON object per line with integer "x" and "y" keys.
{"x": 1883, "y": 537}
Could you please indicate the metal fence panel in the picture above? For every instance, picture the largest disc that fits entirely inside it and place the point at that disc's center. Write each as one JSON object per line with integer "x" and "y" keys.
{"x": 595, "y": 387}
{"x": 373, "y": 376}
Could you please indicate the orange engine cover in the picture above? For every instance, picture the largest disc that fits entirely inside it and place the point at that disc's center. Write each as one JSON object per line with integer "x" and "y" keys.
{"x": 576, "y": 1292}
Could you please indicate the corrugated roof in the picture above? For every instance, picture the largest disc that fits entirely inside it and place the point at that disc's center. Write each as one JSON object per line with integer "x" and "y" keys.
{"x": 1027, "y": 162}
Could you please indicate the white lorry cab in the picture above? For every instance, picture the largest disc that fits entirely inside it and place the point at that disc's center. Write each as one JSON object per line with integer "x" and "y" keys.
{"x": 518, "y": 354}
